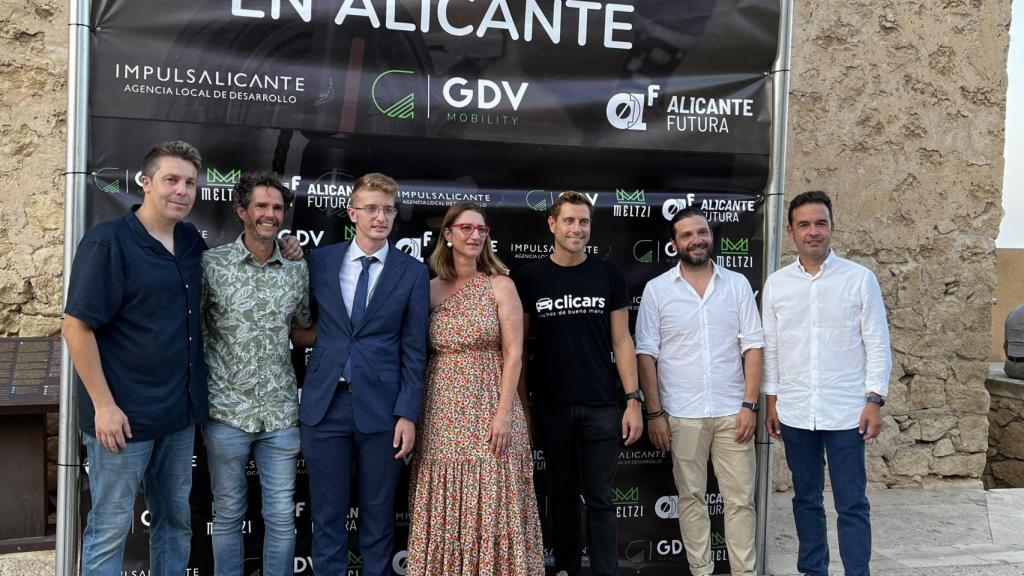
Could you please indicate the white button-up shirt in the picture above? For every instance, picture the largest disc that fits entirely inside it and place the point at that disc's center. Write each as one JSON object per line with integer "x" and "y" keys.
{"x": 827, "y": 343}
{"x": 351, "y": 268}
{"x": 699, "y": 342}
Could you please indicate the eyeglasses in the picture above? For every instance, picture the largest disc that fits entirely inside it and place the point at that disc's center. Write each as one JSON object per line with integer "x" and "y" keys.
{"x": 467, "y": 229}
{"x": 373, "y": 210}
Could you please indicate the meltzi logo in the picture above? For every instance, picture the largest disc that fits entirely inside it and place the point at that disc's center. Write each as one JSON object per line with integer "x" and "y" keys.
{"x": 631, "y": 203}
{"x": 393, "y": 93}
{"x": 630, "y": 197}
{"x": 627, "y": 496}
{"x": 215, "y": 177}
{"x": 627, "y": 503}
{"x": 355, "y": 560}
{"x": 717, "y": 540}
{"x": 734, "y": 254}
{"x": 219, "y": 185}
{"x": 734, "y": 247}
{"x": 349, "y": 232}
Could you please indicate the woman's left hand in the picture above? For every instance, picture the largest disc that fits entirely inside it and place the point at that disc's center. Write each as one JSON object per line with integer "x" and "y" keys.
{"x": 500, "y": 434}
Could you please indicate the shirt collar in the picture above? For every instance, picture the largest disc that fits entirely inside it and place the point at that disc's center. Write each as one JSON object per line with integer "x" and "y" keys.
{"x": 355, "y": 252}
{"x": 241, "y": 252}
{"x": 829, "y": 261}
{"x": 182, "y": 242}
{"x": 678, "y": 276}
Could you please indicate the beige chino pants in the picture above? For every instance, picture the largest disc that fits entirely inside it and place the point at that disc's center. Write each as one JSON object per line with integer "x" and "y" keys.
{"x": 693, "y": 440}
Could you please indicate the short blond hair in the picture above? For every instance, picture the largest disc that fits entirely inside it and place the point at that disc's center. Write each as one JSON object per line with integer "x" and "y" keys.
{"x": 375, "y": 181}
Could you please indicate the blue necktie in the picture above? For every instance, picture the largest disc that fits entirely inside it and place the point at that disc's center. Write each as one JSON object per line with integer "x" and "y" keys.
{"x": 359, "y": 305}
{"x": 362, "y": 289}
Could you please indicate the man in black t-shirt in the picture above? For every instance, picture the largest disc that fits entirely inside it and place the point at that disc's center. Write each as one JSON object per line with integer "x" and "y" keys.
{"x": 582, "y": 368}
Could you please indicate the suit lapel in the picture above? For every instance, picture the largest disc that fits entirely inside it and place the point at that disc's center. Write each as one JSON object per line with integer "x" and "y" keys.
{"x": 393, "y": 271}
{"x": 333, "y": 278}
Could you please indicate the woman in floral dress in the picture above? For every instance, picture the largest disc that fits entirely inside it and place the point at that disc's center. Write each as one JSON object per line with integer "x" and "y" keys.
{"x": 473, "y": 507}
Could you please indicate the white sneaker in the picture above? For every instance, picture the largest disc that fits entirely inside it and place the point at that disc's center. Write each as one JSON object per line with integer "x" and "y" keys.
{"x": 561, "y": 573}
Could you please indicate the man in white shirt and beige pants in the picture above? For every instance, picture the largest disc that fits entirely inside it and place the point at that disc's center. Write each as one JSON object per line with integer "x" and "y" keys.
{"x": 699, "y": 353}
{"x": 826, "y": 372}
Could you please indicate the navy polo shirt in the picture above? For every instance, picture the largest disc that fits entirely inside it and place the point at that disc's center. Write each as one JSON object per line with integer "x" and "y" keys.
{"x": 142, "y": 302}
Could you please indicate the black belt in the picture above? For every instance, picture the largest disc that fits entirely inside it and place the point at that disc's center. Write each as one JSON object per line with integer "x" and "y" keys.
{"x": 1015, "y": 359}
{"x": 343, "y": 385}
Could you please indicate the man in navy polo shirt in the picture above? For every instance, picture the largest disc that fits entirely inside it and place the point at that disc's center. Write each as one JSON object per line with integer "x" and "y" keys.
{"x": 132, "y": 328}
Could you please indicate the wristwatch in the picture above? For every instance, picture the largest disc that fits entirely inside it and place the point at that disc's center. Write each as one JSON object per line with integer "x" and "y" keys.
{"x": 635, "y": 395}
{"x": 876, "y": 399}
{"x": 752, "y": 406}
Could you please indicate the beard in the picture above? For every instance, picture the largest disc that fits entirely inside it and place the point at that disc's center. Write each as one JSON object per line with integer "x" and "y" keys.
{"x": 695, "y": 260}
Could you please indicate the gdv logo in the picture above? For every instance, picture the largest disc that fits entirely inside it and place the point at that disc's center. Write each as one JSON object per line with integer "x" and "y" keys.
{"x": 625, "y": 110}
{"x": 488, "y": 93}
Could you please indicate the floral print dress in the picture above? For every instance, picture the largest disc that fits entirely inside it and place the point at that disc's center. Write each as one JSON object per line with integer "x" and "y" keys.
{"x": 471, "y": 512}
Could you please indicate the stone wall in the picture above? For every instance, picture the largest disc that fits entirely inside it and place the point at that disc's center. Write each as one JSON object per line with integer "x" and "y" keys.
{"x": 1005, "y": 468}
{"x": 33, "y": 63}
{"x": 897, "y": 110}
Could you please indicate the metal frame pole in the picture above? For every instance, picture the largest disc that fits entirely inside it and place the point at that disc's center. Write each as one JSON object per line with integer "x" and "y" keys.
{"x": 68, "y": 465}
{"x": 772, "y": 256}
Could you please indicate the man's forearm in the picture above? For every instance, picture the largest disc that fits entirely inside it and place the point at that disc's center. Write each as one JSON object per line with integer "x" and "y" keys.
{"x": 753, "y": 362}
{"x": 85, "y": 355}
{"x": 647, "y": 369}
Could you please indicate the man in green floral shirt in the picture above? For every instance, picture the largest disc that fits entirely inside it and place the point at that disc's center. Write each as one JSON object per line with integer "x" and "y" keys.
{"x": 252, "y": 297}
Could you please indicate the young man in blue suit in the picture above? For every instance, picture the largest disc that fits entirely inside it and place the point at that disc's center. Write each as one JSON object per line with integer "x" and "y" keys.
{"x": 364, "y": 379}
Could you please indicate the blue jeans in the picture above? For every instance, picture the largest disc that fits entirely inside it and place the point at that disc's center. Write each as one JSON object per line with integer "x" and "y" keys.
{"x": 581, "y": 449}
{"x": 228, "y": 449}
{"x": 164, "y": 469}
{"x": 805, "y": 454}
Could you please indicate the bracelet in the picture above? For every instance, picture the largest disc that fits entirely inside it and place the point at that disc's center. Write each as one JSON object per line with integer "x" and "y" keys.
{"x": 653, "y": 415}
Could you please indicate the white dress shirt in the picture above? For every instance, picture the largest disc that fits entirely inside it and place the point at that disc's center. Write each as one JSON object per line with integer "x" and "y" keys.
{"x": 699, "y": 342}
{"x": 827, "y": 343}
{"x": 351, "y": 267}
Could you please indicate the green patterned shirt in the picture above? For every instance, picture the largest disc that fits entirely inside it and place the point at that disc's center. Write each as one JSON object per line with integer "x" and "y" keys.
{"x": 248, "y": 311}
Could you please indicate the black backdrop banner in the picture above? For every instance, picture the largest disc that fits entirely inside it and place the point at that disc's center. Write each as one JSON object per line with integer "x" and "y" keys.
{"x": 645, "y": 106}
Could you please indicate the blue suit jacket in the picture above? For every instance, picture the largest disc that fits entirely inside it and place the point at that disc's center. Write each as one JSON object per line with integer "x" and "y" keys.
{"x": 388, "y": 348}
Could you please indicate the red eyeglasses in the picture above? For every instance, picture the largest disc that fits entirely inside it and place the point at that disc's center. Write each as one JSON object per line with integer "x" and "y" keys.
{"x": 467, "y": 229}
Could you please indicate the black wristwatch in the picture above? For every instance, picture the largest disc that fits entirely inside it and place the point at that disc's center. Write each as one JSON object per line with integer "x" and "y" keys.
{"x": 876, "y": 399}
{"x": 635, "y": 395}
{"x": 752, "y": 406}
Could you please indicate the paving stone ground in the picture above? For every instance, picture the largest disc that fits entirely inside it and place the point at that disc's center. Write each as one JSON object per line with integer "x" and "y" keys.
{"x": 916, "y": 532}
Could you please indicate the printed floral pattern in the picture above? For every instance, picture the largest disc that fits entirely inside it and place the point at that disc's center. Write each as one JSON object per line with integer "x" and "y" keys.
{"x": 472, "y": 513}
{"x": 248, "y": 311}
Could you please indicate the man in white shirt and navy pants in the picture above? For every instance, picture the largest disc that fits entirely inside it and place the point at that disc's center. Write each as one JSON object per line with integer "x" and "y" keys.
{"x": 699, "y": 354}
{"x": 826, "y": 372}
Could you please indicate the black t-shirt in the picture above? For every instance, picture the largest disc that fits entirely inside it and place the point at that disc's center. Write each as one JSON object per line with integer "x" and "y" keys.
{"x": 570, "y": 328}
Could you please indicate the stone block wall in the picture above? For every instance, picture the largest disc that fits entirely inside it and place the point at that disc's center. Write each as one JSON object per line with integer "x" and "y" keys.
{"x": 1005, "y": 468}
{"x": 33, "y": 71}
{"x": 33, "y": 63}
{"x": 896, "y": 108}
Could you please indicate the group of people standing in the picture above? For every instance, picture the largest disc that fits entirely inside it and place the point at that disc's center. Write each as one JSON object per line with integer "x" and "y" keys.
{"x": 166, "y": 335}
